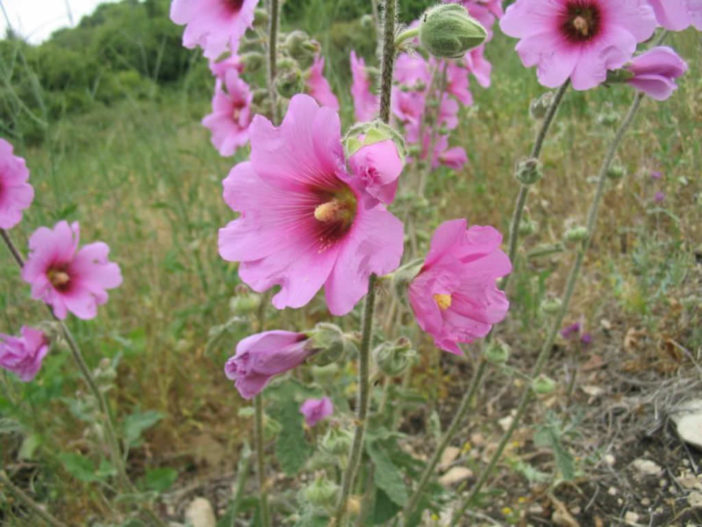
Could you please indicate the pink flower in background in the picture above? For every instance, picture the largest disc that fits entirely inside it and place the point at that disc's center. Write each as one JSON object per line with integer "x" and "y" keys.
{"x": 318, "y": 86}
{"x": 231, "y": 114}
{"x": 655, "y": 72}
{"x": 365, "y": 103}
{"x": 659, "y": 197}
{"x": 457, "y": 83}
{"x": 316, "y": 410}
{"x": 577, "y": 39}
{"x": 303, "y": 223}
{"x": 408, "y": 106}
{"x": 454, "y": 157}
{"x": 572, "y": 329}
{"x": 66, "y": 278}
{"x": 412, "y": 71}
{"x": 379, "y": 166}
{"x": 221, "y": 68}
{"x": 23, "y": 355}
{"x": 15, "y": 193}
{"x": 677, "y": 15}
{"x": 455, "y": 297}
{"x": 484, "y": 11}
{"x": 478, "y": 65}
{"x": 262, "y": 356}
{"x": 214, "y": 25}
{"x": 656, "y": 175}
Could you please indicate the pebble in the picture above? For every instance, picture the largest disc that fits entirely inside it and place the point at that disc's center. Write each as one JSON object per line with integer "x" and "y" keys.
{"x": 455, "y": 475}
{"x": 200, "y": 513}
{"x": 646, "y": 467}
{"x": 695, "y": 500}
{"x": 631, "y": 518}
{"x": 688, "y": 421}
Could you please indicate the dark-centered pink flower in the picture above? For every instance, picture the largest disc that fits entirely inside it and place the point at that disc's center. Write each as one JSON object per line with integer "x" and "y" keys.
{"x": 231, "y": 114}
{"x": 654, "y": 72}
{"x": 23, "y": 355}
{"x": 315, "y": 410}
{"x": 318, "y": 86}
{"x": 15, "y": 193}
{"x": 68, "y": 278}
{"x": 262, "y": 356}
{"x": 304, "y": 224}
{"x": 214, "y": 25}
{"x": 577, "y": 39}
{"x": 365, "y": 102}
{"x": 677, "y": 15}
{"x": 455, "y": 296}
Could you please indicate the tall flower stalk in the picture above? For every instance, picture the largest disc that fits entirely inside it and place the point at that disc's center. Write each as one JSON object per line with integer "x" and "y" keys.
{"x": 547, "y": 347}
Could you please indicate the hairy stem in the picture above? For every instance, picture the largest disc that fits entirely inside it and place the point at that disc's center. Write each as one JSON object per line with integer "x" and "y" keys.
{"x": 260, "y": 461}
{"x": 546, "y": 349}
{"x": 28, "y": 502}
{"x": 273, "y": 16}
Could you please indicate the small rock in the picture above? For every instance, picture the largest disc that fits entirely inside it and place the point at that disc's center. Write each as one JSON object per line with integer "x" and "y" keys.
{"x": 593, "y": 391}
{"x": 645, "y": 502}
{"x": 688, "y": 421}
{"x": 610, "y": 460}
{"x": 200, "y": 513}
{"x": 506, "y": 422}
{"x": 612, "y": 491}
{"x": 690, "y": 481}
{"x": 455, "y": 475}
{"x": 631, "y": 518}
{"x": 695, "y": 500}
{"x": 449, "y": 456}
{"x": 646, "y": 467}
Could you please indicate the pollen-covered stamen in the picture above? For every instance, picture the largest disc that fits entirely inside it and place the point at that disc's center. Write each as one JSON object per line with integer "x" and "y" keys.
{"x": 582, "y": 20}
{"x": 59, "y": 278}
{"x": 335, "y": 215}
{"x": 443, "y": 301}
{"x": 581, "y": 26}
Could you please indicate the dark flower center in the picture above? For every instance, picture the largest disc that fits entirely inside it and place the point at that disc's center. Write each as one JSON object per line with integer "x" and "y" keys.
{"x": 59, "y": 278}
{"x": 335, "y": 214}
{"x": 234, "y": 5}
{"x": 582, "y": 21}
{"x": 238, "y": 106}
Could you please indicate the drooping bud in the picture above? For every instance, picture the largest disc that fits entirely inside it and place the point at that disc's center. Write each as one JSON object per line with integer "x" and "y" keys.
{"x": 302, "y": 48}
{"x": 337, "y": 441}
{"x": 321, "y": 493}
{"x": 576, "y": 234}
{"x": 393, "y": 358}
{"x": 616, "y": 172}
{"x": 543, "y": 385}
{"x": 448, "y": 31}
{"x": 497, "y": 352}
{"x": 529, "y": 171}
{"x": 539, "y": 106}
{"x": 551, "y": 306}
{"x": 329, "y": 342}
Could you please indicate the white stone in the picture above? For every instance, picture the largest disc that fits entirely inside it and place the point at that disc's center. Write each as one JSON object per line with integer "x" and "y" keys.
{"x": 631, "y": 518}
{"x": 646, "y": 467}
{"x": 455, "y": 475}
{"x": 449, "y": 456}
{"x": 695, "y": 500}
{"x": 200, "y": 513}
{"x": 688, "y": 420}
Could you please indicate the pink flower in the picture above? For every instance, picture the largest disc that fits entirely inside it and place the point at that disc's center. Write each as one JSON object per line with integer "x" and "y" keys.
{"x": 567, "y": 331}
{"x": 659, "y": 197}
{"x": 454, "y": 157}
{"x": 454, "y": 296}
{"x": 408, "y": 106}
{"x": 221, "y": 68}
{"x": 213, "y": 24}
{"x": 577, "y": 39}
{"x": 262, "y": 356}
{"x": 677, "y": 15}
{"x": 316, "y": 410}
{"x": 412, "y": 71}
{"x": 231, "y": 114}
{"x": 318, "y": 86}
{"x": 484, "y": 11}
{"x": 365, "y": 103}
{"x": 478, "y": 65}
{"x": 23, "y": 355}
{"x": 655, "y": 72}
{"x": 303, "y": 222}
{"x": 457, "y": 83}
{"x": 66, "y": 278}
{"x": 379, "y": 166}
{"x": 15, "y": 193}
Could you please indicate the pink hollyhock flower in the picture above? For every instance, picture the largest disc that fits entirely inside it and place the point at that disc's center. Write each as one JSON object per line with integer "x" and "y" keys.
{"x": 365, "y": 103}
{"x": 15, "y": 193}
{"x": 379, "y": 166}
{"x": 262, "y": 356}
{"x": 577, "y": 39}
{"x": 231, "y": 114}
{"x": 654, "y": 72}
{"x": 315, "y": 410}
{"x": 303, "y": 222}
{"x": 408, "y": 106}
{"x": 454, "y": 297}
{"x": 412, "y": 71}
{"x": 478, "y": 65}
{"x": 213, "y": 25}
{"x": 484, "y": 11}
{"x": 221, "y": 68}
{"x": 318, "y": 86}
{"x": 659, "y": 197}
{"x": 454, "y": 157}
{"x": 457, "y": 83}
{"x": 66, "y": 278}
{"x": 677, "y": 15}
{"x": 23, "y": 355}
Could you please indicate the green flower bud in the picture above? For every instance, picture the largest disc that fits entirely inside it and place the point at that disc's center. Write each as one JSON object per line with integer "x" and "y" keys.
{"x": 608, "y": 119}
{"x": 539, "y": 106}
{"x": 576, "y": 234}
{"x": 329, "y": 342}
{"x": 261, "y": 18}
{"x": 337, "y": 441}
{"x": 527, "y": 227}
{"x": 393, "y": 358}
{"x": 321, "y": 493}
{"x": 367, "y": 23}
{"x": 616, "y": 172}
{"x": 403, "y": 276}
{"x": 543, "y": 385}
{"x": 302, "y": 48}
{"x": 448, "y": 31}
{"x": 529, "y": 171}
{"x": 551, "y": 306}
{"x": 289, "y": 80}
{"x": 325, "y": 375}
{"x": 245, "y": 302}
{"x": 497, "y": 353}
{"x": 253, "y": 61}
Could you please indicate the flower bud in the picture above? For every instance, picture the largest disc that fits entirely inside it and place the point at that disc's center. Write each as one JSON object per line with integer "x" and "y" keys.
{"x": 448, "y": 31}
{"x": 615, "y": 172}
{"x": 497, "y": 353}
{"x": 393, "y": 358}
{"x": 252, "y": 61}
{"x": 321, "y": 493}
{"x": 527, "y": 227}
{"x": 551, "y": 306}
{"x": 367, "y": 22}
{"x": 260, "y": 18}
{"x": 543, "y": 385}
{"x": 302, "y": 48}
{"x": 576, "y": 234}
{"x": 539, "y": 106}
{"x": 402, "y": 277}
{"x": 325, "y": 375}
{"x": 329, "y": 342}
{"x": 364, "y": 134}
{"x": 608, "y": 119}
{"x": 337, "y": 441}
{"x": 245, "y": 302}
{"x": 289, "y": 80}
{"x": 529, "y": 171}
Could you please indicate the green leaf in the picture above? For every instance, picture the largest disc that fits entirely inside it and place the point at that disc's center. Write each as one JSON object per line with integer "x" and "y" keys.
{"x": 387, "y": 476}
{"x": 136, "y": 423}
{"x": 384, "y": 508}
{"x": 160, "y": 479}
{"x": 80, "y": 467}
{"x": 312, "y": 518}
{"x": 29, "y": 446}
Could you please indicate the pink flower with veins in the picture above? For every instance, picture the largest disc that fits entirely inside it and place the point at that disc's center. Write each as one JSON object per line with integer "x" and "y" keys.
{"x": 304, "y": 224}
{"x": 365, "y": 103}
{"x": 214, "y": 25}
{"x": 316, "y": 410}
{"x": 379, "y": 166}
{"x": 262, "y": 356}
{"x": 68, "y": 278}
{"x": 23, "y": 355}
{"x": 454, "y": 297}
{"x": 15, "y": 193}
{"x": 457, "y": 83}
{"x": 318, "y": 86}
{"x": 231, "y": 114}
{"x": 478, "y": 65}
{"x": 655, "y": 72}
{"x": 577, "y": 39}
{"x": 677, "y": 15}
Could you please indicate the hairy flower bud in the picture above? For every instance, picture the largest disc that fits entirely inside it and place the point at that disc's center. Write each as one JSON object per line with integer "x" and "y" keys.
{"x": 402, "y": 277}
{"x": 551, "y": 306}
{"x": 543, "y": 385}
{"x": 529, "y": 171}
{"x": 448, "y": 31}
{"x": 539, "y": 106}
{"x": 337, "y": 441}
{"x": 616, "y": 172}
{"x": 321, "y": 493}
{"x": 497, "y": 353}
{"x": 261, "y": 18}
{"x": 290, "y": 80}
{"x": 329, "y": 342}
{"x": 245, "y": 302}
{"x": 527, "y": 227}
{"x": 393, "y": 358}
{"x": 252, "y": 61}
{"x": 576, "y": 234}
{"x": 302, "y": 48}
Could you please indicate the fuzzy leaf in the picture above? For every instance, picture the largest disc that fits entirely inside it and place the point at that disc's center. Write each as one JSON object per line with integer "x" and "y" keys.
{"x": 388, "y": 477}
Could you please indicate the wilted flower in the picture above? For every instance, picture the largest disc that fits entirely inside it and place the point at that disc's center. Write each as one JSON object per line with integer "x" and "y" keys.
{"x": 455, "y": 297}
{"x": 365, "y": 102}
{"x": 577, "y": 39}
{"x": 231, "y": 114}
{"x": 677, "y": 15}
{"x": 66, "y": 278}
{"x": 262, "y": 356}
{"x": 23, "y": 355}
{"x": 15, "y": 193}
{"x": 303, "y": 222}
{"x": 318, "y": 86}
{"x": 316, "y": 410}
{"x": 654, "y": 72}
{"x": 213, "y": 25}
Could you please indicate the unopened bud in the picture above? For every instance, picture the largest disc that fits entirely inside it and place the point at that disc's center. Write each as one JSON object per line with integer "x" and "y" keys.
{"x": 543, "y": 385}
{"x": 527, "y": 227}
{"x": 615, "y": 172}
{"x": 260, "y": 18}
{"x": 301, "y": 48}
{"x": 448, "y": 31}
{"x": 325, "y": 375}
{"x": 529, "y": 171}
{"x": 252, "y": 61}
{"x": 289, "y": 80}
{"x": 321, "y": 493}
{"x": 337, "y": 441}
{"x": 576, "y": 234}
{"x": 403, "y": 276}
{"x": 497, "y": 353}
{"x": 367, "y": 22}
{"x": 539, "y": 106}
{"x": 551, "y": 306}
{"x": 369, "y": 133}
{"x": 608, "y": 119}
{"x": 393, "y": 358}
{"x": 329, "y": 342}
{"x": 245, "y": 302}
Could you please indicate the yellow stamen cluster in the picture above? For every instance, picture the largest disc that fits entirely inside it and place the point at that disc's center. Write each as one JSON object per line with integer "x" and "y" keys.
{"x": 58, "y": 278}
{"x": 581, "y": 25}
{"x": 443, "y": 301}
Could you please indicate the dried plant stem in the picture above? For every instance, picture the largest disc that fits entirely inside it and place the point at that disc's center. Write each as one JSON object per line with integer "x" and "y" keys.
{"x": 546, "y": 349}
{"x": 273, "y": 18}
{"x": 22, "y": 496}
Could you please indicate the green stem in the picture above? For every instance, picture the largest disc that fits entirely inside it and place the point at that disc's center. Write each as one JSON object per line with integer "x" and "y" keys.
{"x": 406, "y": 35}
{"x": 260, "y": 461}
{"x": 389, "y": 14}
{"x": 273, "y": 16}
{"x": 241, "y": 478}
{"x": 547, "y": 347}
{"x": 22, "y": 496}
